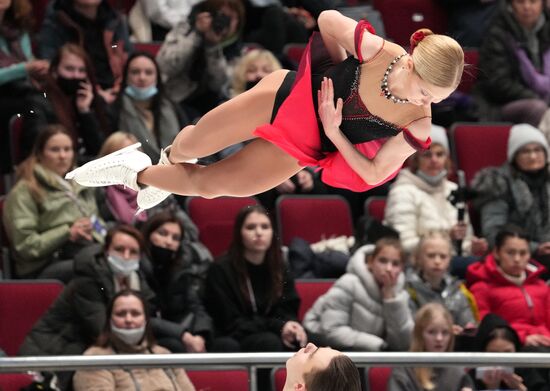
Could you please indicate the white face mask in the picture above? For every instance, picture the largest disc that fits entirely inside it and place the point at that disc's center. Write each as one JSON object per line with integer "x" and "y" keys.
{"x": 121, "y": 266}
{"x": 129, "y": 336}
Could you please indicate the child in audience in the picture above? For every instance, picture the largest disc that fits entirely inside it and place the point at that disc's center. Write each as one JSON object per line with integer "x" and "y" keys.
{"x": 127, "y": 330}
{"x": 367, "y": 308}
{"x": 431, "y": 281}
{"x": 433, "y": 332}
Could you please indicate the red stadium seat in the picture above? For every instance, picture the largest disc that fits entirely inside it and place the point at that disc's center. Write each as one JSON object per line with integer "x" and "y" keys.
{"x": 22, "y": 303}
{"x": 278, "y": 378}
{"x": 309, "y": 291}
{"x": 4, "y": 244}
{"x": 479, "y": 145}
{"x": 379, "y": 378}
{"x": 14, "y": 381}
{"x": 150, "y": 47}
{"x": 293, "y": 52}
{"x": 471, "y": 71}
{"x": 215, "y": 218}
{"x": 403, "y": 17}
{"x": 219, "y": 380}
{"x": 313, "y": 217}
{"x": 375, "y": 207}
{"x": 16, "y": 137}
{"x": 123, "y": 6}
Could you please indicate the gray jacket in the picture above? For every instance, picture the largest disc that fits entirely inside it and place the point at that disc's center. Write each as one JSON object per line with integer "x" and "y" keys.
{"x": 353, "y": 315}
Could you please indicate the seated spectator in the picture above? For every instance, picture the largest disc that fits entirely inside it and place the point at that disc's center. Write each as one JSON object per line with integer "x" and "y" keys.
{"x": 250, "y": 294}
{"x": 20, "y": 72}
{"x": 367, "y": 308}
{"x": 127, "y": 330}
{"x": 314, "y": 368}
{"x": 192, "y": 62}
{"x": 418, "y": 201}
{"x": 433, "y": 332}
{"x": 49, "y": 220}
{"x": 507, "y": 283}
{"x": 514, "y": 73}
{"x": 518, "y": 192}
{"x": 70, "y": 100}
{"x": 77, "y": 317}
{"x": 178, "y": 297}
{"x": 431, "y": 281}
{"x": 96, "y": 26}
{"x": 496, "y": 336}
{"x": 143, "y": 109}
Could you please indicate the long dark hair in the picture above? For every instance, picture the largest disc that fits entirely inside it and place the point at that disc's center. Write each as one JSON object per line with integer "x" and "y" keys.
{"x": 509, "y": 231}
{"x": 340, "y": 374}
{"x": 128, "y": 230}
{"x": 63, "y": 105}
{"x": 105, "y": 339}
{"x": 273, "y": 256}
{"x": 155, "y": 222}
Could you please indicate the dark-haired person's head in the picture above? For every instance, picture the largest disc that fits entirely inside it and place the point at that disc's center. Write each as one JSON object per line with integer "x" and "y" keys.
{"x": 163, "y": 233}
{"x": 141, "y": 78}
{"x": 124, "y": 247}
{"x": 321, "y": 369}
{"x": 17, "y": 13}
{"x": 495, "y": 335}
{"x": 512, "y": 252}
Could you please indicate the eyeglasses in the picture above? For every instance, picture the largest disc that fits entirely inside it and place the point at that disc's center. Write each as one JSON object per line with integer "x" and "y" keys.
{"x": 528, "y": 151}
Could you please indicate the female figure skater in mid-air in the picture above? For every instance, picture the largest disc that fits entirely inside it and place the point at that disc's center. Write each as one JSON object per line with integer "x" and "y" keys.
{"x": 373, "y": 112}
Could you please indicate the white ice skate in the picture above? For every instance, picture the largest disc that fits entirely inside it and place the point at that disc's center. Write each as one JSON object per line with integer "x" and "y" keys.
{"x": 118, "y": 168}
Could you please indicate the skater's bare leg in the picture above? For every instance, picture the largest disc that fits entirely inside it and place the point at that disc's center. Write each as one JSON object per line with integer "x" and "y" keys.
{"x": 230, "y": 123}
{"x": 258, "y": 167}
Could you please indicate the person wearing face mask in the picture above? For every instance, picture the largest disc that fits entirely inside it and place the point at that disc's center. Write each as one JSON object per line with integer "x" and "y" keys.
{"x": 77, "y": 317}
{"x": 70, "y": 100}
{"x": 143, "y": 108}
{"x": 127, "y": 330}
{"x": 418, "y": 200}
{"x": 185, "y": 326}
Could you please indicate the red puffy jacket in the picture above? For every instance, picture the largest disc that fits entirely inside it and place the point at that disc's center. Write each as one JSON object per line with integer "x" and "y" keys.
{"x": 525, "y": 307}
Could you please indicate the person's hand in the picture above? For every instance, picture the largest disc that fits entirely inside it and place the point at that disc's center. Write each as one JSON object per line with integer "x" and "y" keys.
{"x": 84, "y": 97}
{"x": 303, "y": 16}
{"x": 193, "y": 343}
{"x": 109, "y": 95}
{"x": 457, "y": 329}
{"x": 305, "y": 180}
{"x": 479, "y": 246}
{"x": 203, "y": 24}
{"x": 492, "y": 379}
{"x": 537, "y": 340}
{"x": 331, "y": 116}
{"x": 543, "y": 248}
{"x": 37, "y": 68}
{"x": 458, "y": 231}
{"x": 81, "y": 229}
{"x": 287, "y": 187}
{"x": 388, "y": 283}
{"x": 513, "y": 381}
{"x": 293, "y": 332}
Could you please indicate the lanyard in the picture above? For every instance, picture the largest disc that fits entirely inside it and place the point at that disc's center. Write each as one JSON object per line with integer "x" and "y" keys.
{"x": 252, "y": 296}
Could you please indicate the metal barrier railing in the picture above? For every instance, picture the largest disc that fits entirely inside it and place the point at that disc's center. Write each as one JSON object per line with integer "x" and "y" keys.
{"x": 252, "y": 361}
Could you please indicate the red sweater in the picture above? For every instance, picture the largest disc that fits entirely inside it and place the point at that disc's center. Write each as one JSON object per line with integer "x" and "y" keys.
{"x": 525, "y": 307}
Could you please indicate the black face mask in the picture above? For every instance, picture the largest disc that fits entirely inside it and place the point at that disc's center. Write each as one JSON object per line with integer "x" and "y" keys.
{"x": 162, "y": 256}
{"x": 251, "y": 83}
{"x": 69, "y": 86}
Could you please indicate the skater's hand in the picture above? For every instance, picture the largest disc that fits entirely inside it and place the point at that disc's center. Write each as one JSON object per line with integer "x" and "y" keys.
{"x": 84, "y": 97}
{"x": 330, "y": 115}
{"x": 81, "y": 229}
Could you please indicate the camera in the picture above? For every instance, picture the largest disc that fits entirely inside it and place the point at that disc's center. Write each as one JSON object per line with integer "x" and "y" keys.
{"x": 220, "y": 22}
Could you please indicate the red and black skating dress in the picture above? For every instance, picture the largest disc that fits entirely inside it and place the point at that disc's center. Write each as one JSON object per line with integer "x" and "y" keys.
{"x": 368, "y": 118}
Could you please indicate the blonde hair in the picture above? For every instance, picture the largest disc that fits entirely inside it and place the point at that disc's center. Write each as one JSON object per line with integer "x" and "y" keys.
{"x": 443, "y": 235}
{"x": 239, "y": 74}
{"x": 426, "y": 315}
{"x": 438, "y": 59}
{"x": 115, "y": 142}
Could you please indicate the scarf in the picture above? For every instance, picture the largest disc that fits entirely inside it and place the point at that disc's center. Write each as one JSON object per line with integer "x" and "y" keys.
{"x": 123, "y": 204}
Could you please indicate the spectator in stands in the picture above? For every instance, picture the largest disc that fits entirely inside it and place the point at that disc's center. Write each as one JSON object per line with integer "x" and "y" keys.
{"x": 179, "y": 299}
{"x": 367, "y": 308}
{"x": 433, "y": 332}
{"x": 326, "y": 369}
{"x": 431, "y": 281}
{"x": 19, "y": 70}
{"x": 514, "y": 67}
{"x": 518, "y": 192}
{"x": 47, "y": 219}
{"x": 193, "y": 65}
{"x": 143, "y": 109}
{"x": 92, "y": 24}
{"x": 418, "y": 201}
{"x": 496, "y": 336}
{"x": 127, "y": 330}
{"x": 70, "y": 100}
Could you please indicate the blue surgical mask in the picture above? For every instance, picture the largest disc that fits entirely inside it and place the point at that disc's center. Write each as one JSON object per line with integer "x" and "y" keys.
{"x": 121, "y": 266}
{"x": 141, "y": 93}
{"x": 129, "y": 336}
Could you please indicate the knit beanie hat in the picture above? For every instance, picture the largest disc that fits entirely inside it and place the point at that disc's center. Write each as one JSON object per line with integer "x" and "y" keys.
{"x": 522, "y": 134}
{"x": 439, "y": 136}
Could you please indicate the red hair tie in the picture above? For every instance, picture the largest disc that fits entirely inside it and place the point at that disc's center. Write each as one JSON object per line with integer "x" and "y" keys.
{"x": 416, "y": 38}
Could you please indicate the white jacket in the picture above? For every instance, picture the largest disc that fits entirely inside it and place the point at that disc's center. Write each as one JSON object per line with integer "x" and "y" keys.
{"x": 414, "y": 208}
{"x": 353, "y": 315}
